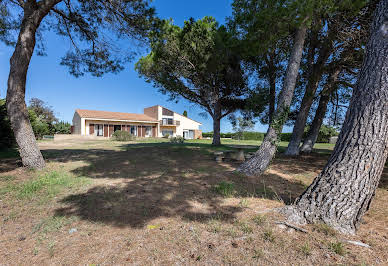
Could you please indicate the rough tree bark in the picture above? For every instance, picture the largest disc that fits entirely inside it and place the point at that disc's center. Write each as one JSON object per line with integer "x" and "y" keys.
{"x": 217, "y": 125}
{"x": 262, "y": 158}
{"x": 315, "y": 76}
{"x": 19, "y": 63}
{"x": 320, "y": 113}
{"x": 343, "y": 191}
{"x": 272, "y": 85}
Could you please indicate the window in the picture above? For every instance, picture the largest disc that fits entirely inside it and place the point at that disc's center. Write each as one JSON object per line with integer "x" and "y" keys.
{"x": 148, "y": 131}
{"x": 99, "y": 130}
{"x": 188, "y": 134}
{"x": 116, "y": 127}
{"x": 133, "y": 130}
{"x": 167, "y": 132}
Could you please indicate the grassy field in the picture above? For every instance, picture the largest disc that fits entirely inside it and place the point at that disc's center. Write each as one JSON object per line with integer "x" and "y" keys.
{"x": 151, "y": 202}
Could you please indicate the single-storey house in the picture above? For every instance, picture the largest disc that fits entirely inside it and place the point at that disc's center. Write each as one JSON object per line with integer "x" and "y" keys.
{"x": 156, "y": 121}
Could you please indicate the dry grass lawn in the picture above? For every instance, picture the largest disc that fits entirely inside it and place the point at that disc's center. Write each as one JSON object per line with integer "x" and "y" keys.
{"x": 106, "y": 202}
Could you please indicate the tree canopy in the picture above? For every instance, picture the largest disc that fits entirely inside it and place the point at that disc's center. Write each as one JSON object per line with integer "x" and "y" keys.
{"x": 199, "y": 62}
{"x": 94, "y": 29}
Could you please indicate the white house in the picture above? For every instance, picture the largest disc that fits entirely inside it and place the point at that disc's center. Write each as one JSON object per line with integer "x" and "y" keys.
{"x": 156, "y": 121}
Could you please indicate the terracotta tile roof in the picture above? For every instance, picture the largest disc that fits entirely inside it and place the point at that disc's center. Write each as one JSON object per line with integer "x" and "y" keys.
{"x": 114, "y": 115}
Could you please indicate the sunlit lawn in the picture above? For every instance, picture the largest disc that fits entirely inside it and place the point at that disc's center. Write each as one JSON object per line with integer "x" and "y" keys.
{"x": 152, "y": 202}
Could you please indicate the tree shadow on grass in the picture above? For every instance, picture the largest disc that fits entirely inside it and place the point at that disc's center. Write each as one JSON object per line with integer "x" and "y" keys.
{"x": 143, "y": 183}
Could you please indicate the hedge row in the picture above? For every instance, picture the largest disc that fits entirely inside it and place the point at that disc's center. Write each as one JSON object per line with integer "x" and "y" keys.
{"x": 244, "y": 136}
{"x": 324, "y": 135}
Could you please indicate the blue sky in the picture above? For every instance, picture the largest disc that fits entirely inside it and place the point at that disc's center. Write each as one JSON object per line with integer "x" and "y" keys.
{"x": 123, "y": 92}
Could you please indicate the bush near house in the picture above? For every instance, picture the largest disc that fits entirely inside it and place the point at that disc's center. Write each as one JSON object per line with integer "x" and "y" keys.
{"x": 177, "y": 140}
{"x": 120, "y": 135}
{"x": 62, "y": 127}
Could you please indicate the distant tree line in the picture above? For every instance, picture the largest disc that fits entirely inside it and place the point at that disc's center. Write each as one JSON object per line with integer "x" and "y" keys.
{"x": 324, "y": 135}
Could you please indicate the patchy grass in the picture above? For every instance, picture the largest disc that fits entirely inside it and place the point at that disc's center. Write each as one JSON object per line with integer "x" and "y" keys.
{"x": 52, "y": 224}
{"x": 6, "y": 178}
{"x": 259, "y": 219}
{"x": 305, "y": 249}
{"x": 152, "y": 202}
{"x": 47, "y": 184}
{"x": 225, "y": 189}
{"x": 337, "y": 247}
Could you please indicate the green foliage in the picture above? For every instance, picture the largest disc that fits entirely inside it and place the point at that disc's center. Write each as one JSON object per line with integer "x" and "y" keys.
{"x": 177, "y": 140}
{"x": 285, "y": 137}
{"x": 225, "y": 189}
{"x": 325, "y": 133}
{"x": 62, "y": 127}
{"x": 208, "y": 134}
{"x": 44, "y": 121}
{"x": 43, "y": 111}
{"x": 184, "y": 113}
{"x": 87, "y": 25}
{"x": 166, "y": 136}
{"x": 251, "y": 136}
{"x": 121, "y": 135}
{"x": 241, "y": 125}
{"x": 248, "y": 135}
{"x": 39, "y": 126}
{"x": 199, "y": 62}
{"x": 7, "y": 139}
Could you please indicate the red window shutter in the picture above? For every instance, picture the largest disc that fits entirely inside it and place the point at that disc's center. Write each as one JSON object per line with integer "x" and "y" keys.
{"x": 105, "y": 130}
{"x": 111, "y": 130}
{"x": 91, "y": 129}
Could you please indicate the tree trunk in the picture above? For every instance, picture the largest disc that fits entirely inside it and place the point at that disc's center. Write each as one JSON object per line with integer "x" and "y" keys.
{"x": 260, "y": 161}
{"x": 320, "y": 113}
{"x": 19, "y": 63}
{"x": 308, "y": 98}
{"x": 343, "y": 191}
{"x": 312, "y": 135}
{"x": 272, "y": 86}
{"x": 272, "y": 98}
{"x": 217, "y": 125}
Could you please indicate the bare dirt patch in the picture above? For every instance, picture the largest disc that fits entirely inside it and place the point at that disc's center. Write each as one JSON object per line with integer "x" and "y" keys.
{"x": 156, "y": 203}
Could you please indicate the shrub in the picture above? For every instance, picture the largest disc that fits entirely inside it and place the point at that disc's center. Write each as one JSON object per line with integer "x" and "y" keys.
{"x": 207, "y": 134}
{"x": 226, "y": 135}
{"x": 7, "y": 139}
{"x": 120, "y": 135}
{"x": 177, "y": 140}
{"x": 62, "y": 127}
{"x": 285, "y": 137}
{"x": 166, "y": 136}
{"x": 325, "y": 133}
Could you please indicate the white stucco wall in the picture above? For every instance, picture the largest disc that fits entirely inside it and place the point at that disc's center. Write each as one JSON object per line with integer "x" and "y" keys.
{"x": 185, "y": 123}
{"x": 83, "y": 129}
{"x": 77, "y": 124}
